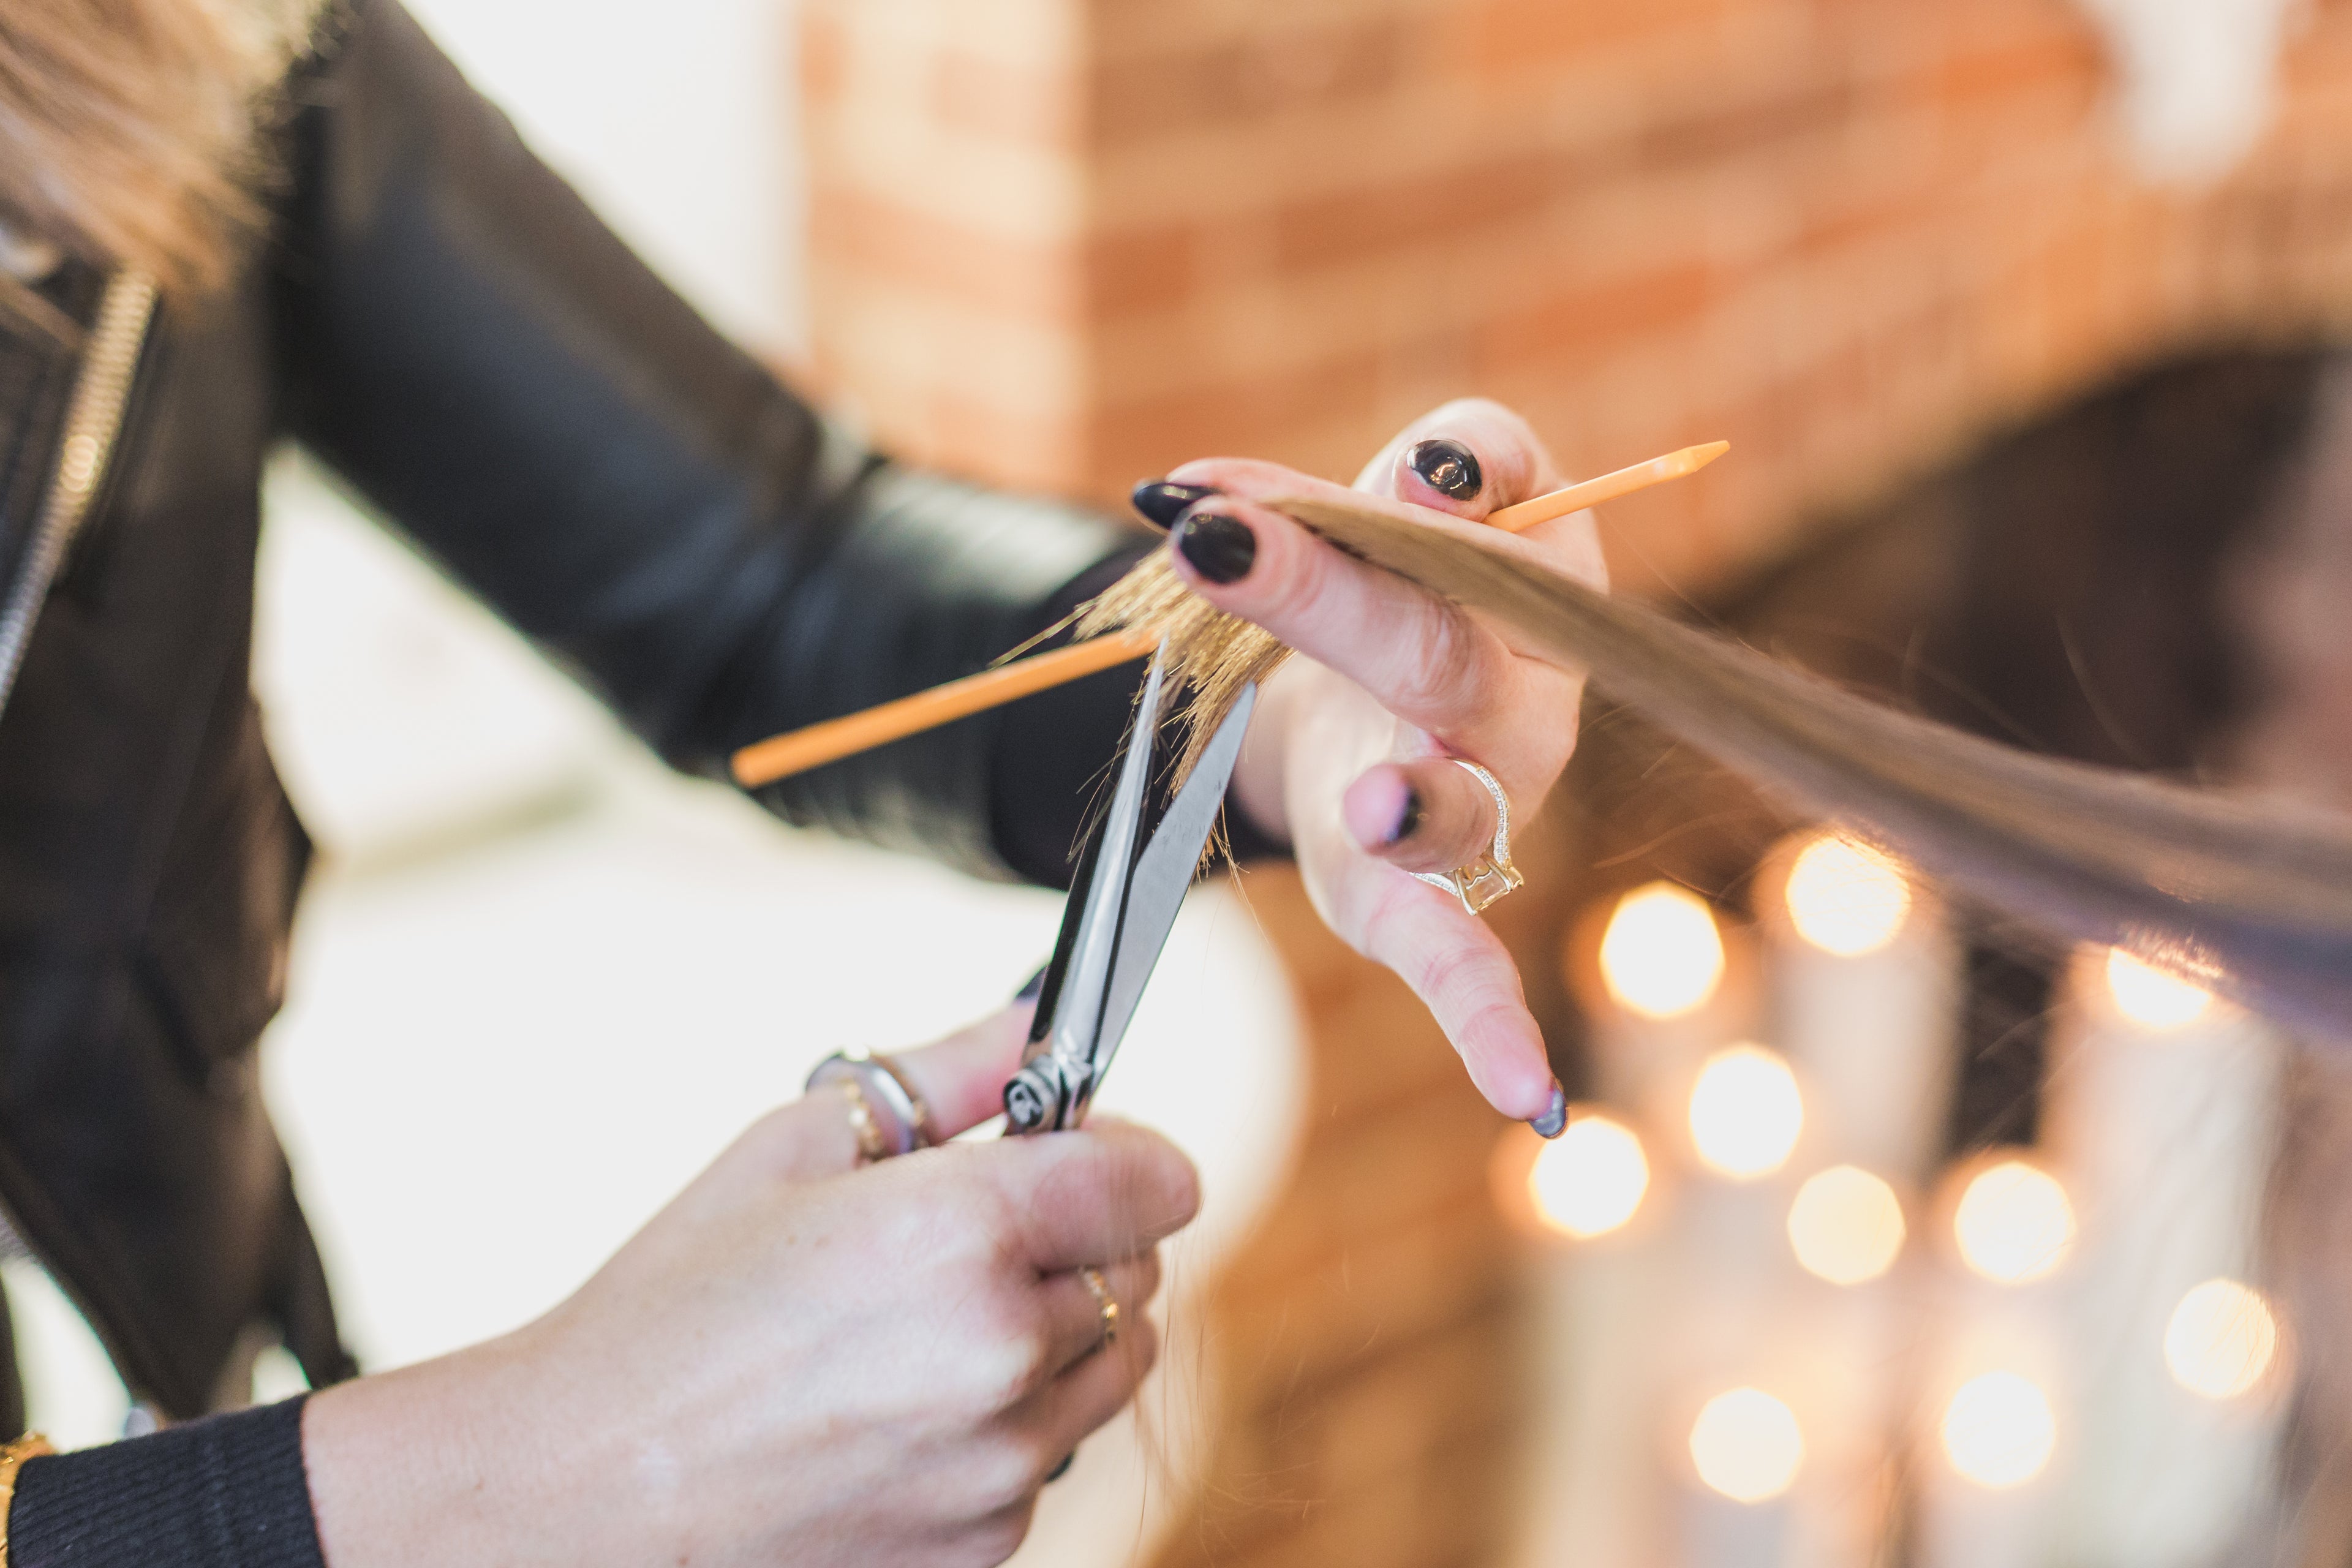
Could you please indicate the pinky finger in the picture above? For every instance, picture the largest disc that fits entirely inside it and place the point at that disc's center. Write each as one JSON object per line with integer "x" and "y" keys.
{"x": 1091, "y": 1393}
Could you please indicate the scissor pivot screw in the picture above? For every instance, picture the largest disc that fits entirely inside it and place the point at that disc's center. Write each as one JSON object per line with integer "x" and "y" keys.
{"x": 1030, "y": 1101}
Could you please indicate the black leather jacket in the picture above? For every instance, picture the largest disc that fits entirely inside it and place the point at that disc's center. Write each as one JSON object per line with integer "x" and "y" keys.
{"x": 441, "y": 320}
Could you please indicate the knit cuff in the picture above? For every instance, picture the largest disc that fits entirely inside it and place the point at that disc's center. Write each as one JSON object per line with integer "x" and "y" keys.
{"x": 228, "y": 1491}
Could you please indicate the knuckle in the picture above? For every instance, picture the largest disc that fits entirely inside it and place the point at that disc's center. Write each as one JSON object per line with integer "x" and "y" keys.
{"x": 1450, "y": 971}
{"x": 1006, "y": 1472}
{"x": 1387, "y": 919}
{"x": 959, "y": 1234}
{"x": 1298, "y": 585}
{"x": 1011, "y": 1359}
{"x": 980, "y": 1225}
{"x": 1440, "y": 673}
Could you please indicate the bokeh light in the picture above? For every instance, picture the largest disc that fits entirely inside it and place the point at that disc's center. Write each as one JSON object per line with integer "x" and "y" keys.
{"x": 1998, "y": 1430}
{"x": 2221, "y": 1339}
{"x": 2149, "y": 996}
{"x": 1747, "y": 1445}
{"x": 1662, "y": 955}
{"x": 1745, "y": 1112}
{"x": 1588, "y": 1181}
{"x": 2014, "y": 1222}
{"x": 1846, "y": 897}
{"x": 1846, "y": 1226}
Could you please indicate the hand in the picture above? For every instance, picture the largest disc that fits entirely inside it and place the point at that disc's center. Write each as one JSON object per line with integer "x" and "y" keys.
{"x": 796, "y": 1361}
{"x": 1348, "y": 758}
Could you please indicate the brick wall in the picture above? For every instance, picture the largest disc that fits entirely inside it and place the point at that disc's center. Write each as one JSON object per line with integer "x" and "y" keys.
{"x": 1067, "y": 244}
{"x": 1372, "y": 1332}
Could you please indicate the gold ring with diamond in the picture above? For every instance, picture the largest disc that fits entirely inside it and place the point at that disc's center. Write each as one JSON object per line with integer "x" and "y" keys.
{"x": 1491, "y": 875}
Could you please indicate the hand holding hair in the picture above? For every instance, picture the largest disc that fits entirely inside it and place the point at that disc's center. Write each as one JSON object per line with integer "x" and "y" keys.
{"x": 1350, "y": 759}
{"x": 2249, "y": 896}
{"x": 1407, "y": 691}
{"x": 1151, "y": 590}
{"x": 797, "y": 1360}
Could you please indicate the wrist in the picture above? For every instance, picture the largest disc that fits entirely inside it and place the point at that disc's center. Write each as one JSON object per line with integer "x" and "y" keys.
{"x": 31, "y": 1446}
{"x": 449, "y": 1461}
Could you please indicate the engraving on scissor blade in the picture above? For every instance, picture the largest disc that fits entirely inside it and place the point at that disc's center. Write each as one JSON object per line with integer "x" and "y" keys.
{"x": 1163, "y": 873}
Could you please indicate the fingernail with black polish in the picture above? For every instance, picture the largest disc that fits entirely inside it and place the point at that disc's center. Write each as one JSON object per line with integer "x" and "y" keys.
{"x": 1162, "y": 501}
{"x": 1448, "y": 468}
{"x": 1554, "y": 1120}
{"x": 1220, "y": 548}
{"x": 1409, "y": 820}
{"x": 1059, "y": 1471}
{"x": 1032, "y": 991}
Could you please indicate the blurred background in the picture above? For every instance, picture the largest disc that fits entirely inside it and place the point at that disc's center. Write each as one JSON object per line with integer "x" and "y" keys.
{"x": 1885, "y": 1233}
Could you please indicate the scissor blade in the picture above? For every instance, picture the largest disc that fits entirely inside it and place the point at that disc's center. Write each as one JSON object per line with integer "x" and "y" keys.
{"x": 1163, "y": 873}
{"x": 1072, "y": 1006}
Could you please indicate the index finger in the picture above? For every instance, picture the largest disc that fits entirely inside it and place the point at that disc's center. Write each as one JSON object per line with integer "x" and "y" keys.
{"x": 1423, "y": 659}
{"x": 959, "y": 1078}
{"x": 1108, "y": 1191}
{"x": 962, "y": 1078}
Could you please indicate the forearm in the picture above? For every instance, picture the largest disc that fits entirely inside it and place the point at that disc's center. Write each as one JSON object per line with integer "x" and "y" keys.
{"x": 449, "y": 1462}
{"x": 466, "y": 344}
{"x": 444, "y": 1462}
{"x": 937, "y": 581}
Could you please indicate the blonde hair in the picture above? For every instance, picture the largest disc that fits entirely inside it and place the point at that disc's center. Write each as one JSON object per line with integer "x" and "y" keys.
{"x": 127, "y": 127}
{"x": 2251, "y": 896}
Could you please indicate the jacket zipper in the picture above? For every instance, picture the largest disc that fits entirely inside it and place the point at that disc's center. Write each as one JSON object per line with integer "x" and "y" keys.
{"x": 93, "y": 421}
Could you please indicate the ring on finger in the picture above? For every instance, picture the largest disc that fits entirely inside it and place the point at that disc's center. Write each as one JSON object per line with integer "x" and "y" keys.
{"x": 885, "y": 1110}
{"x": 1105, "y": 1303}
{"x": 871, "y": 1146}
{"x": 1491, "y": 875}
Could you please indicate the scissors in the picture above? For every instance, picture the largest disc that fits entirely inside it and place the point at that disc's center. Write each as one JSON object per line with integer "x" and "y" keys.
{"x": 1131, "y": 881}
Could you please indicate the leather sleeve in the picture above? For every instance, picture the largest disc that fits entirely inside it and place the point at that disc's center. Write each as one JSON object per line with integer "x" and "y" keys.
{"x": 480, "y": 357}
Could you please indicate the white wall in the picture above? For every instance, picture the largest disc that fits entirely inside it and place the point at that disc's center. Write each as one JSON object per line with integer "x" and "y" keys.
{"x": 674, "y": 120}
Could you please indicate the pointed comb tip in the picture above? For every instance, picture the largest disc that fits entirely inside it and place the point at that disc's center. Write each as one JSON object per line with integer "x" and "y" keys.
{"x": 1691, "y": 459}
{"x": 1608, "y": 486}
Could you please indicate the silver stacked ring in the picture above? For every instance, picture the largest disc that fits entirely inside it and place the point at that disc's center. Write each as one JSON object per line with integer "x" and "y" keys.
{"x": 902, "y": 1122}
